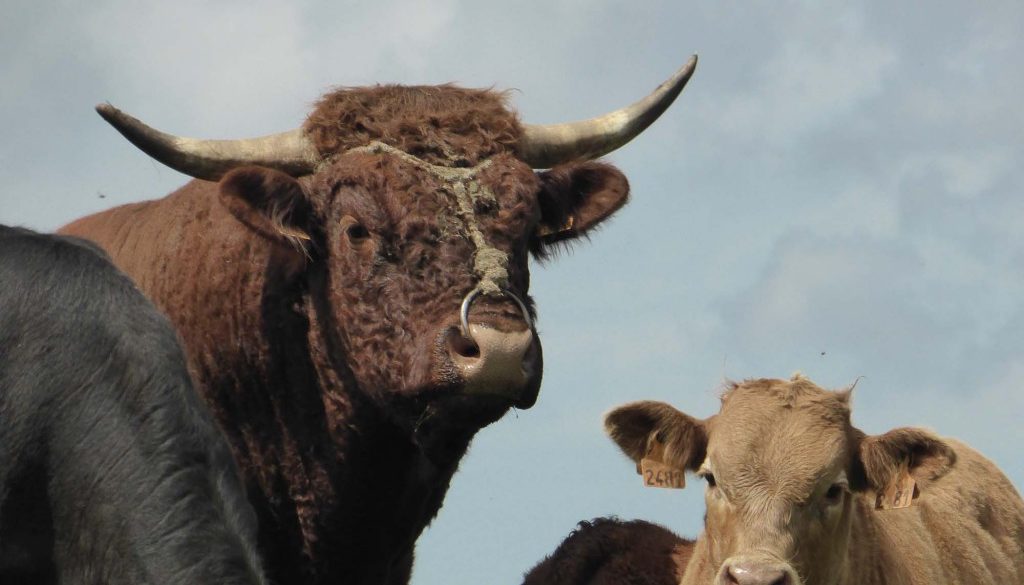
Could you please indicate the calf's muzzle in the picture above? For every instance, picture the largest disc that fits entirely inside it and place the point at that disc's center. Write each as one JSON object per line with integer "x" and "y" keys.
{"x": 756, "y": 571}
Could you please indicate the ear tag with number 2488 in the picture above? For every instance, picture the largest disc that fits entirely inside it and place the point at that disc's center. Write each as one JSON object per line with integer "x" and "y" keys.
{"x": 656, "y": 473}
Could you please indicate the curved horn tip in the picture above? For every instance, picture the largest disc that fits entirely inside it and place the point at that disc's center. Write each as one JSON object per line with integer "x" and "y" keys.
{"x": 682, "y": 75}
{"x": 691, "y": 65}
{"x": 544, "y": 146}
{"x": 107, "y": 109}
{"x": 112, "y": 115}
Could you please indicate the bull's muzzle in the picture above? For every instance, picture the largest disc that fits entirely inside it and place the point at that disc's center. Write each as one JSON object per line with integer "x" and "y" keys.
{"x": 493, "y": 361}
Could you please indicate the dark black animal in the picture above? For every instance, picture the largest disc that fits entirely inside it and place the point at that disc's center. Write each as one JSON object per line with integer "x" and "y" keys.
{"x": 111, "y": 469}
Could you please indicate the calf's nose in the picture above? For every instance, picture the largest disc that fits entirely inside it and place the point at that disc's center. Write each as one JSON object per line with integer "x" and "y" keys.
{"x": 753, "y": 573}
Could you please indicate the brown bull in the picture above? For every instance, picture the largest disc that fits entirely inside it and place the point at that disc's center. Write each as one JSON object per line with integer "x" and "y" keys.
{"x": 353, "y": 296}
{"x": 798, "y": 496}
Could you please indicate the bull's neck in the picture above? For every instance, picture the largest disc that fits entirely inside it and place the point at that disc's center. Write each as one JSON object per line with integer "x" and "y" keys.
{"x": 326, "y": 466}
{"x": 323, "y": 467}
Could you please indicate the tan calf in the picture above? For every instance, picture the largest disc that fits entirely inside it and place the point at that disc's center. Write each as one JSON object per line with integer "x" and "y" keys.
{"x": 798, "y": 496}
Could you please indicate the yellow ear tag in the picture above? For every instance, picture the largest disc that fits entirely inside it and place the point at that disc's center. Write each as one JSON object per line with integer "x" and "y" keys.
{"x": 899, "y": 494}
{"x": 544, "y": 230}
{"x": 656, "y": 473}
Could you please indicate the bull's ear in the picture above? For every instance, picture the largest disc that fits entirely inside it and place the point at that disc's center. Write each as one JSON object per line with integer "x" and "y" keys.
{"x": 576, "y": 197}
{"x": 270, "y": 202}
{"x": 637, "y": 426}
{"x": 888, "y": 460}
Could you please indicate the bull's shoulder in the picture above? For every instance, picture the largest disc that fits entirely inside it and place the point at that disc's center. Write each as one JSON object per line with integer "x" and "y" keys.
{"x": 168, "y": 245}
{"x": 134, "y": 228}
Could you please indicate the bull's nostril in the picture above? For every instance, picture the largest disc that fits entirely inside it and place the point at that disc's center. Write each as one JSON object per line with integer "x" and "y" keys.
{"x": 491, "y": 361}
{"x": 461, "y": 345}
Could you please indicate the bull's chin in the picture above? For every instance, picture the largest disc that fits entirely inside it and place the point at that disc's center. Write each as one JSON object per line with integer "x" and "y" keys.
{"x": 490, "y": 400}
{"x": 443, "y": 420}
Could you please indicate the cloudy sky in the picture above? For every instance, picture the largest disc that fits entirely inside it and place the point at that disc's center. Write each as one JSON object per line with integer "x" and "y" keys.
{"x": 838, "y": 191}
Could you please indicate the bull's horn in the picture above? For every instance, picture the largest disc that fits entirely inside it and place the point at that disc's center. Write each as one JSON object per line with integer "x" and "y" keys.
{"x": 544, "y": 146}
{"x": 290, "y": 151}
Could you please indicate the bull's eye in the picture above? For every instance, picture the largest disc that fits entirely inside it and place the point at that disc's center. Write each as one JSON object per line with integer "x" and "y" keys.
{"x": 357, "y": 232}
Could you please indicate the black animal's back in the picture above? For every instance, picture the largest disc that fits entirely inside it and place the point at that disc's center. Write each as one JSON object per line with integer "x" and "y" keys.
{"x": 111, "y": 470}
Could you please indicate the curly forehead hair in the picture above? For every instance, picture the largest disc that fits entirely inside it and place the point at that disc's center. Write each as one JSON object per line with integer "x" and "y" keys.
{"x": 797, "y": 392}
{"x": 443, "y": 125}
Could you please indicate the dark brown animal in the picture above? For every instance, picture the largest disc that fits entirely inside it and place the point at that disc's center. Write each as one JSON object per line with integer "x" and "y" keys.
{"x": 354, "y": 299}
{"x": 796, "y": 495}
{"x": 608, "y": 551}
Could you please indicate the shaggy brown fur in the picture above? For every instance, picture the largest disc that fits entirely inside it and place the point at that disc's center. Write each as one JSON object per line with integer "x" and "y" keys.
{"x": 792, "y": 489}
{"x": 441, "y": 124}
{"x": 608, "y": 551}
{"x": 315, "y": 313}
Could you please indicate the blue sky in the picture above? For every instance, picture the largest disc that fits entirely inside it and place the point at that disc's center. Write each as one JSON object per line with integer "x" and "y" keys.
{"x": 838, "y": 191}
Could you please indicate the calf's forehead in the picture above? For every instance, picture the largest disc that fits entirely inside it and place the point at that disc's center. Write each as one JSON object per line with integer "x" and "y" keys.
{"x": 790, "y": 433}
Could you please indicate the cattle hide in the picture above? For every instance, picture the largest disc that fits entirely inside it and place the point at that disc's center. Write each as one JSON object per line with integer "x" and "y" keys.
{"x": 608, "y": 551}
{"x": 796, "y": 495}
{"x": 111, "y": 469}
{"x": 357, "y": 308}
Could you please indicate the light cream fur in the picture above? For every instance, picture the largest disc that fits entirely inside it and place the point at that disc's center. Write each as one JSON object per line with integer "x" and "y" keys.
{"x": 795, "y": 488}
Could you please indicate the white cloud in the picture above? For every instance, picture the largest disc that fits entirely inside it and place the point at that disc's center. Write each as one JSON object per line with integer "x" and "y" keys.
{"x": 202, "y": 64}
{"x": 862, "y": 210}
{"x": 862, "y": 300}
{"x": 966, "y": 173}
{"x": 828, "y": 65}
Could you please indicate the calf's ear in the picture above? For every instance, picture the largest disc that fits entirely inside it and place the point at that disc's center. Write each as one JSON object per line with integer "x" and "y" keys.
{"x": 270, "y": 202}
{"x": 576, "y": 197}
{"x": 638, "y": 426}
{"x": 887, "y": 460}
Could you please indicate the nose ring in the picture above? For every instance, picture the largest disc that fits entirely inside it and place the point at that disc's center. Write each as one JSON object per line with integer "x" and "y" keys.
{"x": 473, "y": 294}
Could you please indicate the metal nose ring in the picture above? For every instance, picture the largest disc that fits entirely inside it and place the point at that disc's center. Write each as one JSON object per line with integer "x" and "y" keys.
{"x": 473, "y": 294}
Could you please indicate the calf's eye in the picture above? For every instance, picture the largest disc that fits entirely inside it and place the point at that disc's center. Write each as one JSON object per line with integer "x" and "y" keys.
{"x": 710, "y": 478}
{"x": 834, "y": 493}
